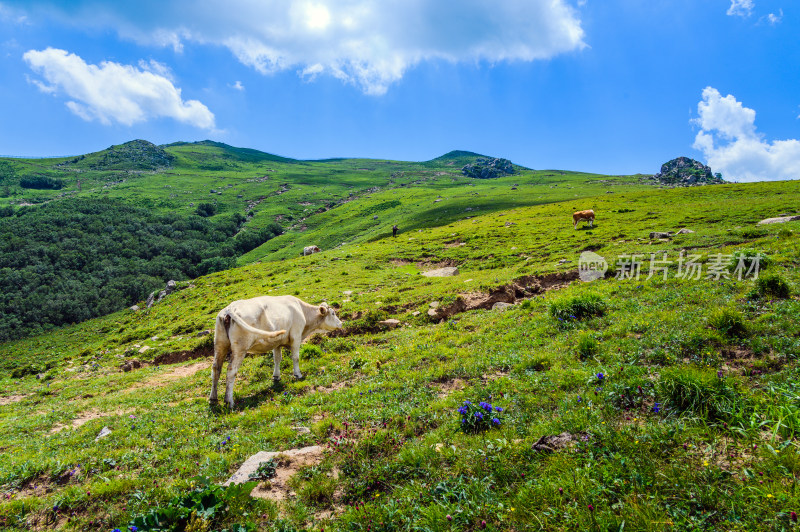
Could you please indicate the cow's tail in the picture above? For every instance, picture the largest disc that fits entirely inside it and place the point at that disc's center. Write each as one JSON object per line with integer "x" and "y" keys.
{"x": 246, "y": 326}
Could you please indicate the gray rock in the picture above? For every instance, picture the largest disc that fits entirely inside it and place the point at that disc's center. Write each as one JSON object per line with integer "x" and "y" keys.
{"x": 134, "y": 308}
{"x": 684, "y": 231}
{"x": 391, "y": 322}
{"x": 103, "y": 433}
{"x": 442, "y": 272}
{"x": 685, "y": 172}
{"x": 778, "y": 220}
{"x": 501, "y": 306}
{"x": 657, "y": 234}
{"x": 171, "y": 286}
{"x": 203, "y": 333}
{"x": 306, "y": 454}
{"x": 487, "y": 168}
{"x": 301, "y": 430}
{"x": 150, "y": 299}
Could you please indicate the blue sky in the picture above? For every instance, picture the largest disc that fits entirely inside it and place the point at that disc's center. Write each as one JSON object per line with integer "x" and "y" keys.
{"x": 608, "y": 86}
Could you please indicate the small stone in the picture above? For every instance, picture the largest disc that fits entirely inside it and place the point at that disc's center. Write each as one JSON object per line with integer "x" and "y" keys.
{"x": 442, "y": 272}
{"x": 433, "y": 304}
{"x": 501, "y": 306}
{"x": 779, "y": 220}
{"x": 144, "y": 349}
{"x": 203, "y": 333}
{"x": 135, "y": 308}
{"x": 103, "y": 433}
{"x": 391, "y": 322}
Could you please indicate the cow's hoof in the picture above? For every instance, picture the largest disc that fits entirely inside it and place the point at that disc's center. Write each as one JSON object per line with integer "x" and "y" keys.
{"x": 298, "y": 377}
{"x": 276, "y": 379}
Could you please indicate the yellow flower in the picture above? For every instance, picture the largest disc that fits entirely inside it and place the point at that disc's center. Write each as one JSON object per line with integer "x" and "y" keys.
{"x": 705, "y": 462}
{"x": 769, "y": 495}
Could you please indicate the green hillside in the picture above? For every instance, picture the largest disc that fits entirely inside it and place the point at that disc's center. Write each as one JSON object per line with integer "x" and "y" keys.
{"x": 636, "y": 404}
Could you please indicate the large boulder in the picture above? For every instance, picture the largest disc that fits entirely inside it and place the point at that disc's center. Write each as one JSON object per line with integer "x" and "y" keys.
{"x": 686, "y": 172}
{"x": 486, "y": 168}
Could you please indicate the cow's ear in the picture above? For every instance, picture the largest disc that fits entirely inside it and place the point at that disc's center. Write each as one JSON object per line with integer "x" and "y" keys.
{"x": 323, "y": 310}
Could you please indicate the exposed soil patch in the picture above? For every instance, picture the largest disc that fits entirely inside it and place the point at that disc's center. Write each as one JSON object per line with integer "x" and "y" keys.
{"x": 287, "y": 463}
{"x": 85, "y": 417}
{"x": 523, "y": 287}
{"x": 335, "y": 387}
{"x": 429, "y": 265}
{"x": 9, "y": 399}
{"x": 447, "y": 387}
{"x": 181, "y": 372}
{"x": 454, "y": 244}
{"x": 182, "y": 356}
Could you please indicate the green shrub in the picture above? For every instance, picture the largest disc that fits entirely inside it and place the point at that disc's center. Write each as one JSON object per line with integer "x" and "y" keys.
{"x": 746, "y": 258}
{"x": 588, "y": 346}
{"x": 310, "y": 351}
{"x": 773, "y": 286}
{"x": 577, "y": 307}
{"x": 208, "y": 502}
{"x": 728, "y": 321}
{"x": 206, "y": 209}
{"x": 701, "y": 393}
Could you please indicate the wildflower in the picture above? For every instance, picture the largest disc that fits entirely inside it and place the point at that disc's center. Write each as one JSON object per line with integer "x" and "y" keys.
{"x": 463, "y": 410}
{"x": 600, "y": 377}
{"x": 483, "y": 524}
{"x": 561, "y": 491}
{"x": 499, "y": 408}
{"x": 467, "y": 403}
{"x": 478, "y": 415}
{"x": 116, "y": 530}
{"x": 133, "y": 528}
{"x": 657, "y": 408}
{"x": 719, "y": 373}
{"x": 579, "y": 399}
{"x": 450, "y": 517}
{"x": 793, "y": 516}
{"x": 591, "y": 508}
{"x": 495, "y": 421}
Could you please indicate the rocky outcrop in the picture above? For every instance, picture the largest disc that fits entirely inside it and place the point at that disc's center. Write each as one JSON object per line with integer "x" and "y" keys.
{"x": 686, "y": 172}
{"x": 779, "y": 220}
{"x": 485, "y": 168}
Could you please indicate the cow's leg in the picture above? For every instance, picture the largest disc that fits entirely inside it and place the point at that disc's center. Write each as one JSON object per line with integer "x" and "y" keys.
{"x": 296, "y": 359}
{"x": 277, "y": 356}
{"x": 575, "y": 224}
{"x": 237, "y": 357}
{"x": 220, "y": 354}
{"x": 222, "y": 347}
{"x": 591, "y": 222}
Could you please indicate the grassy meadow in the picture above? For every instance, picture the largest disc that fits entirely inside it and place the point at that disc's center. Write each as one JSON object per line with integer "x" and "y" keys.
{"x": 620, "y": 404}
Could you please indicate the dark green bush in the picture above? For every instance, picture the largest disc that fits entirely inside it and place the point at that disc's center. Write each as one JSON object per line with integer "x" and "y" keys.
{"x": 588, "y": 346}
{"x": 206, "y": 209}
{"x": 41, "y": 183}
{"x": 577, "y": 307}
{"x": 701, "y": 393}
{"x": 771, "y": 286}
{"x": 728, "y": 321}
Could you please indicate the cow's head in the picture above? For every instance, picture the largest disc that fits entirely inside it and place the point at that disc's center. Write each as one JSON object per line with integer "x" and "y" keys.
{"x": 330, "y": 320}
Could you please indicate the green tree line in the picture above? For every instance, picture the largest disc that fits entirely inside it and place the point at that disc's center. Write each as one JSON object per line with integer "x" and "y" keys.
{"x": 69, "y": 261}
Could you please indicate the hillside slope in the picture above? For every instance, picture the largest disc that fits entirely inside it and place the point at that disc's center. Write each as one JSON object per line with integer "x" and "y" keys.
{"x": 658, "y": 403}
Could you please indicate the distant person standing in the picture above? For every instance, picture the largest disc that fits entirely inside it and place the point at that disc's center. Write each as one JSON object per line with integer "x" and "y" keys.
{"x": 394, "y": 230}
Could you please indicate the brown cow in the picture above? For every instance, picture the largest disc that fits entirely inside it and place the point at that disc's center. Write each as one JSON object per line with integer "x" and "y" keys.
{"x": 586, "y": 216}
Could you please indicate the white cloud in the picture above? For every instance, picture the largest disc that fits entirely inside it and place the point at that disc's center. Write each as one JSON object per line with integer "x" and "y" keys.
{"x": 775, "y": 19}
{"x": 111, "y": 92}
{"x": 741, "y": 8}
{"x": 369, "y": 44}
{"x": 732, "y": 146}
{"x": 238, "y": 86}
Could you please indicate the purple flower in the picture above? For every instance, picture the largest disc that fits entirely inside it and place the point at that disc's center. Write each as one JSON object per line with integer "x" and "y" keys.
{"x": 133, "y": 528}
{"x": 478, "y": 415}
{"x": 495, "y": 421}
{"x": 657, "y": 408}
{"x": 463, "y": 410}
{"x": 499, "y": 408}
{"x": 600, "y": 377}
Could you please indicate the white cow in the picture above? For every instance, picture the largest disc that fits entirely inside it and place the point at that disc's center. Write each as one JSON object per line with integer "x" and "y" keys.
{"x": 264, "y": 324}
{"x": 309, "y": 250}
